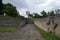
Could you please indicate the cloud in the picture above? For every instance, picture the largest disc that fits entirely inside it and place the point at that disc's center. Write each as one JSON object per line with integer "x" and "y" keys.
{"x": 20, "y": 5}
{"x": 17, "y": 3}
{"x": 23, "y": 12}
{"x": 34, "y": 5}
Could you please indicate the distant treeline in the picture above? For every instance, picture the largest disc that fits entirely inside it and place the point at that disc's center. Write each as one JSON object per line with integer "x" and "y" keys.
{"x": 55, "y": 12}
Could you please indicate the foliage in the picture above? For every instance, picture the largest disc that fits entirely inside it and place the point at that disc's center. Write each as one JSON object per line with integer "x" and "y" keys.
{"x": 52, "y": 13}
{"x": 44, "y": 14}
{"x": 51, "y": 17}
{"x": 1, "y": 7}
{"x": 57, "y": 12}
{"x": 37, "y": 16}
{"x": 10, "y": 10}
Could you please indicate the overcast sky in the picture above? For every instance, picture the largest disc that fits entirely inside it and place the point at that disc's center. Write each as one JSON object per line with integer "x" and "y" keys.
{"x": 34, "y": 5}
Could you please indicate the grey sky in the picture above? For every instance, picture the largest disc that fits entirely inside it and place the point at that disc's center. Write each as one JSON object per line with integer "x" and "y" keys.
{"x": 34, "y": 5}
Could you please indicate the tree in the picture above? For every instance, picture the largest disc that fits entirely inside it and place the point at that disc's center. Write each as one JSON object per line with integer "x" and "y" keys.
{"x": 52, "y": 13}
{"x": 10, "y": 10}
{"x": 37, "y": 16}
{"x": 51, "y": 21}
{"x": 57, "y": 11}
{"x": 52, "y": 16}
{"x": 44, "y": 14}
{"x": 1, "y": 7}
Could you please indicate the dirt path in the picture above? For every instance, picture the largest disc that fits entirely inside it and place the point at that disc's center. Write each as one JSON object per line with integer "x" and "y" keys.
{"x": 28, "y": 32}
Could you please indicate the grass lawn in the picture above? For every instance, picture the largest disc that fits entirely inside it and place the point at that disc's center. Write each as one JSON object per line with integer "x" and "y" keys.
{"x": 48, "y": 36}
{"x": 8, "y": 29}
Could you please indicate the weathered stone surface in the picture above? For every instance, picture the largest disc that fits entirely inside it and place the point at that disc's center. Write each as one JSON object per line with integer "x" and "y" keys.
{"x": 42, "y": 23}
{"x": 14, "y": 22}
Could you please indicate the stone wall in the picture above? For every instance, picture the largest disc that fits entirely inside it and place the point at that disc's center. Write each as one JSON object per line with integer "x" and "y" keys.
{"x": 42, "y": 23}
{"x": 11, "y": 22}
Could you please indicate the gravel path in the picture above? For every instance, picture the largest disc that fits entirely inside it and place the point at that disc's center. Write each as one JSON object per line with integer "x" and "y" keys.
{"x": 28, "y": 32}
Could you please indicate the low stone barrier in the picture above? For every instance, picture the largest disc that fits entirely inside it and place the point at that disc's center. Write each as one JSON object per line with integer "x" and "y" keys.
{"x": 42, "y": 23}
{"x": 14, "y": 22}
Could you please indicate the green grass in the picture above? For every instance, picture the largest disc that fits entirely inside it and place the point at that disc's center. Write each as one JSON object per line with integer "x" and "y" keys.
{"x": 8, "y": 29}
{"x": 48, "y": 36}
